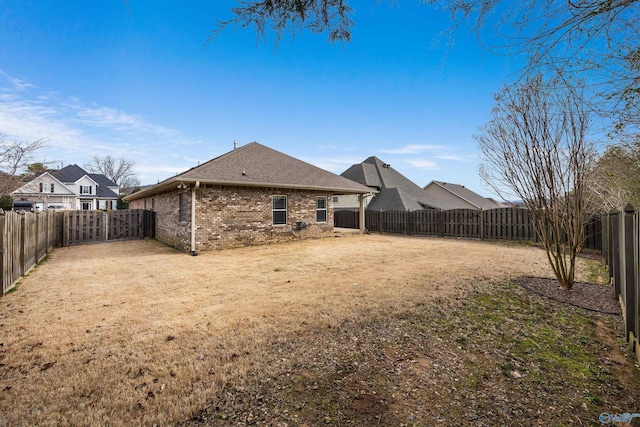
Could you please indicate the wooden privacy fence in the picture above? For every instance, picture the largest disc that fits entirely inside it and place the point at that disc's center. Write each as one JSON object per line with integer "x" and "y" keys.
{"x": 98, "y": 226}
{"x": 493, "y": 224}
{"x": 621, "y": 252}
{"x": 26, "y": 238}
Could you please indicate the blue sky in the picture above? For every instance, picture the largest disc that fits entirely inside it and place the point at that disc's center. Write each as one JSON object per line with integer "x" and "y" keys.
{"x": 138, "y": 80}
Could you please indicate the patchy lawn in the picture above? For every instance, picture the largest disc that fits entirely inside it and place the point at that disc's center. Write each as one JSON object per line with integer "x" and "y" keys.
{"x": 357, "y": 330}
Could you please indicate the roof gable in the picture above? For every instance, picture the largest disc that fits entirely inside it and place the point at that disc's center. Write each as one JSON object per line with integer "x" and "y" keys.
{"x": 69, "y": 173}
{"x": 33, "y": 186}
{"x": 255, "y": 165}
{"x": 407, "y": 195}
{"x": 467, "y": 195}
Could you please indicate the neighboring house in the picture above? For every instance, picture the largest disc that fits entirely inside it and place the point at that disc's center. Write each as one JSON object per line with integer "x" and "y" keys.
{"x": 251, "y": 195}
{"x": 459, "y": 196}
{"x": 393, "y": 191}
{"x": 69, "y": 188}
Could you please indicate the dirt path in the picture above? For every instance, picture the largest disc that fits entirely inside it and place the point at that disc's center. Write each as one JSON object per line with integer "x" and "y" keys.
{"x": 136, "y": 332}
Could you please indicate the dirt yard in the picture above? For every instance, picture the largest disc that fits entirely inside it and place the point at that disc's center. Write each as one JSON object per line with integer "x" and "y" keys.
{"x": 137, "y": 333}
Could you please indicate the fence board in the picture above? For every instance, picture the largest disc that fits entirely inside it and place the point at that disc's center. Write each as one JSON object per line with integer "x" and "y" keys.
{"x": 27, "y": 237}
{"x": 621, "y": 250}
{"x": 494, "y": 224}
{"x": 346, "y": 219}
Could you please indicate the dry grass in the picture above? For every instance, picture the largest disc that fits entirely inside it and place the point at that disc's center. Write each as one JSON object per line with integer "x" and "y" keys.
{"x": 138, "y": 333}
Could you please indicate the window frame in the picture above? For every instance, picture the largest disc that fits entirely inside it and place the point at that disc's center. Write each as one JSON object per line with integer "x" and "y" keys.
{"x": 277, "y": 210}
{"x": 183, "y": 208}
{"x": 83, "y": 189}
{"x": 320, "y": 210}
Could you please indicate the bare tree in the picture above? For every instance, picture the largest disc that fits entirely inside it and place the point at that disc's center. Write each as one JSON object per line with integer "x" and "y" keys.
{"x": 15, "y": 158}
{"x": 534, "y": 148}
{"x": 117, "y": 169}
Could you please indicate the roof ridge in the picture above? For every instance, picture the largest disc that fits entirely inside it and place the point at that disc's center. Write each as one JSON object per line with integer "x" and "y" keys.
{"x": 458, "y": 195}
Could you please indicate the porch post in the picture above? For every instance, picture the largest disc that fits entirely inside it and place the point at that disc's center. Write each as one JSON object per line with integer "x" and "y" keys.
{"x": 362, "y": 224}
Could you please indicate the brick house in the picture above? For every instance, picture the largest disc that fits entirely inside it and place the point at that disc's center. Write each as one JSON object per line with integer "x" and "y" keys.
{"x": 249, "y": 196}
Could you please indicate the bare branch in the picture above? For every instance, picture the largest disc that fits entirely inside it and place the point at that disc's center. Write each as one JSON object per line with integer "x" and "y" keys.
{"x": 117, "y": 169}
{"x": 15, "y": 157}
{"x": 535, "y": 148}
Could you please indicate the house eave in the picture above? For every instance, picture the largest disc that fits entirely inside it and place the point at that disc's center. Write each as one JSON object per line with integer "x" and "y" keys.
{"x": 174, "y": 182}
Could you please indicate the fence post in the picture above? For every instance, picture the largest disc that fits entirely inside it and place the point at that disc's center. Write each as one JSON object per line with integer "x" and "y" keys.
{"x": 107, "y": 215}
{"x": 4, "y": 281}
{"x": 635, "y": 334}
{"x": 615, "y": 252}
{"x": 629, "y": 293}
{"x": 23, "y": 255}
{"x": 65, "y": 228}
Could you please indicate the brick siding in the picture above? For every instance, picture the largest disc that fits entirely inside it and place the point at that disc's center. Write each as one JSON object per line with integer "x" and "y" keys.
{"x": 228, "y": 217}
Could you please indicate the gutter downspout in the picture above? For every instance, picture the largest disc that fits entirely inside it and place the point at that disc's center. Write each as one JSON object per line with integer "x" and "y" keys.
{"x": 193, "y": 218}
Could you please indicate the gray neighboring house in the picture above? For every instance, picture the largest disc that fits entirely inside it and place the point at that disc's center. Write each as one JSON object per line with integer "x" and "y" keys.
{"x": 251, "y": 195}
{"x": 393, "y": 191}
{"x": 70, "y": 187}
{"x": 460, "y": 196}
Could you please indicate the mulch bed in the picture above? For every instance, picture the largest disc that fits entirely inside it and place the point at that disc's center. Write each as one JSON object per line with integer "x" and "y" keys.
{"x": 589, "y": 296}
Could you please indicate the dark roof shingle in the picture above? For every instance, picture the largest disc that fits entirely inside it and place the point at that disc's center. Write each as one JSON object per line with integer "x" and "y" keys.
{"x": 396, "y": 192}
{"x": 255, "y": 165}
{"x": 470, "y": 196}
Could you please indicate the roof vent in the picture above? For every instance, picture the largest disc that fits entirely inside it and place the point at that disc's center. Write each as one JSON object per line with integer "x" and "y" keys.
{"x": 235, "y": 145}
{"x": 244, "y": 173}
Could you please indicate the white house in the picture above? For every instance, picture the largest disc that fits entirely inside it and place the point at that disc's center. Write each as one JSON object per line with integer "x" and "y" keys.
{"x": 69, "y": 188}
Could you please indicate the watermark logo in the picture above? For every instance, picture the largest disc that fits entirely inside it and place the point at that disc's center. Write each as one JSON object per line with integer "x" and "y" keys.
{"x": 606, "y": 418}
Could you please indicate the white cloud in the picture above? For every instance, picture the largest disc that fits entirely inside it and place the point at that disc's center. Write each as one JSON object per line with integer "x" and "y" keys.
{"x": 413, "y": 149}
{"x": 423, "y": 164}
{"x": 76, "y": 130}
{"x": 16, "y": 84}
{"x": 457, "y": 158}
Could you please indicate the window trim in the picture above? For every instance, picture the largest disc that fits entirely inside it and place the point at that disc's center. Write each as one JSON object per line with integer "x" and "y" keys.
{"x": 274, "y": 210}
{"x": 183, "y": 208}
{"x": 83, "y": 188}
{"x": 318, "y": 209}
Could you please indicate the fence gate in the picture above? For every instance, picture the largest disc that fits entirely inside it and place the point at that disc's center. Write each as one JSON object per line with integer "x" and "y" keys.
{"x": 97, "y": 226}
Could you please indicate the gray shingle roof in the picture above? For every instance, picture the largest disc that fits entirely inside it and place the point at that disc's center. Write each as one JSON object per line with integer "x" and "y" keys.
{"x": 72, "y": 173}
{"x": 468, "y": 195}
{"x": 396, "y": 192}
{"x": 254, "y": 165}
{"x": 69, "y": 173}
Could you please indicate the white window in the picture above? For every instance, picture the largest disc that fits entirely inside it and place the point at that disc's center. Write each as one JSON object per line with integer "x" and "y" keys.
{"x": 321, "y": 209}
{"x": 86, "y": 206}
{"x": 335, "y": 199}
{"x": 85, "y": 189}
{"x": 279, "y": 209}
{"x": 183, "y": 208}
